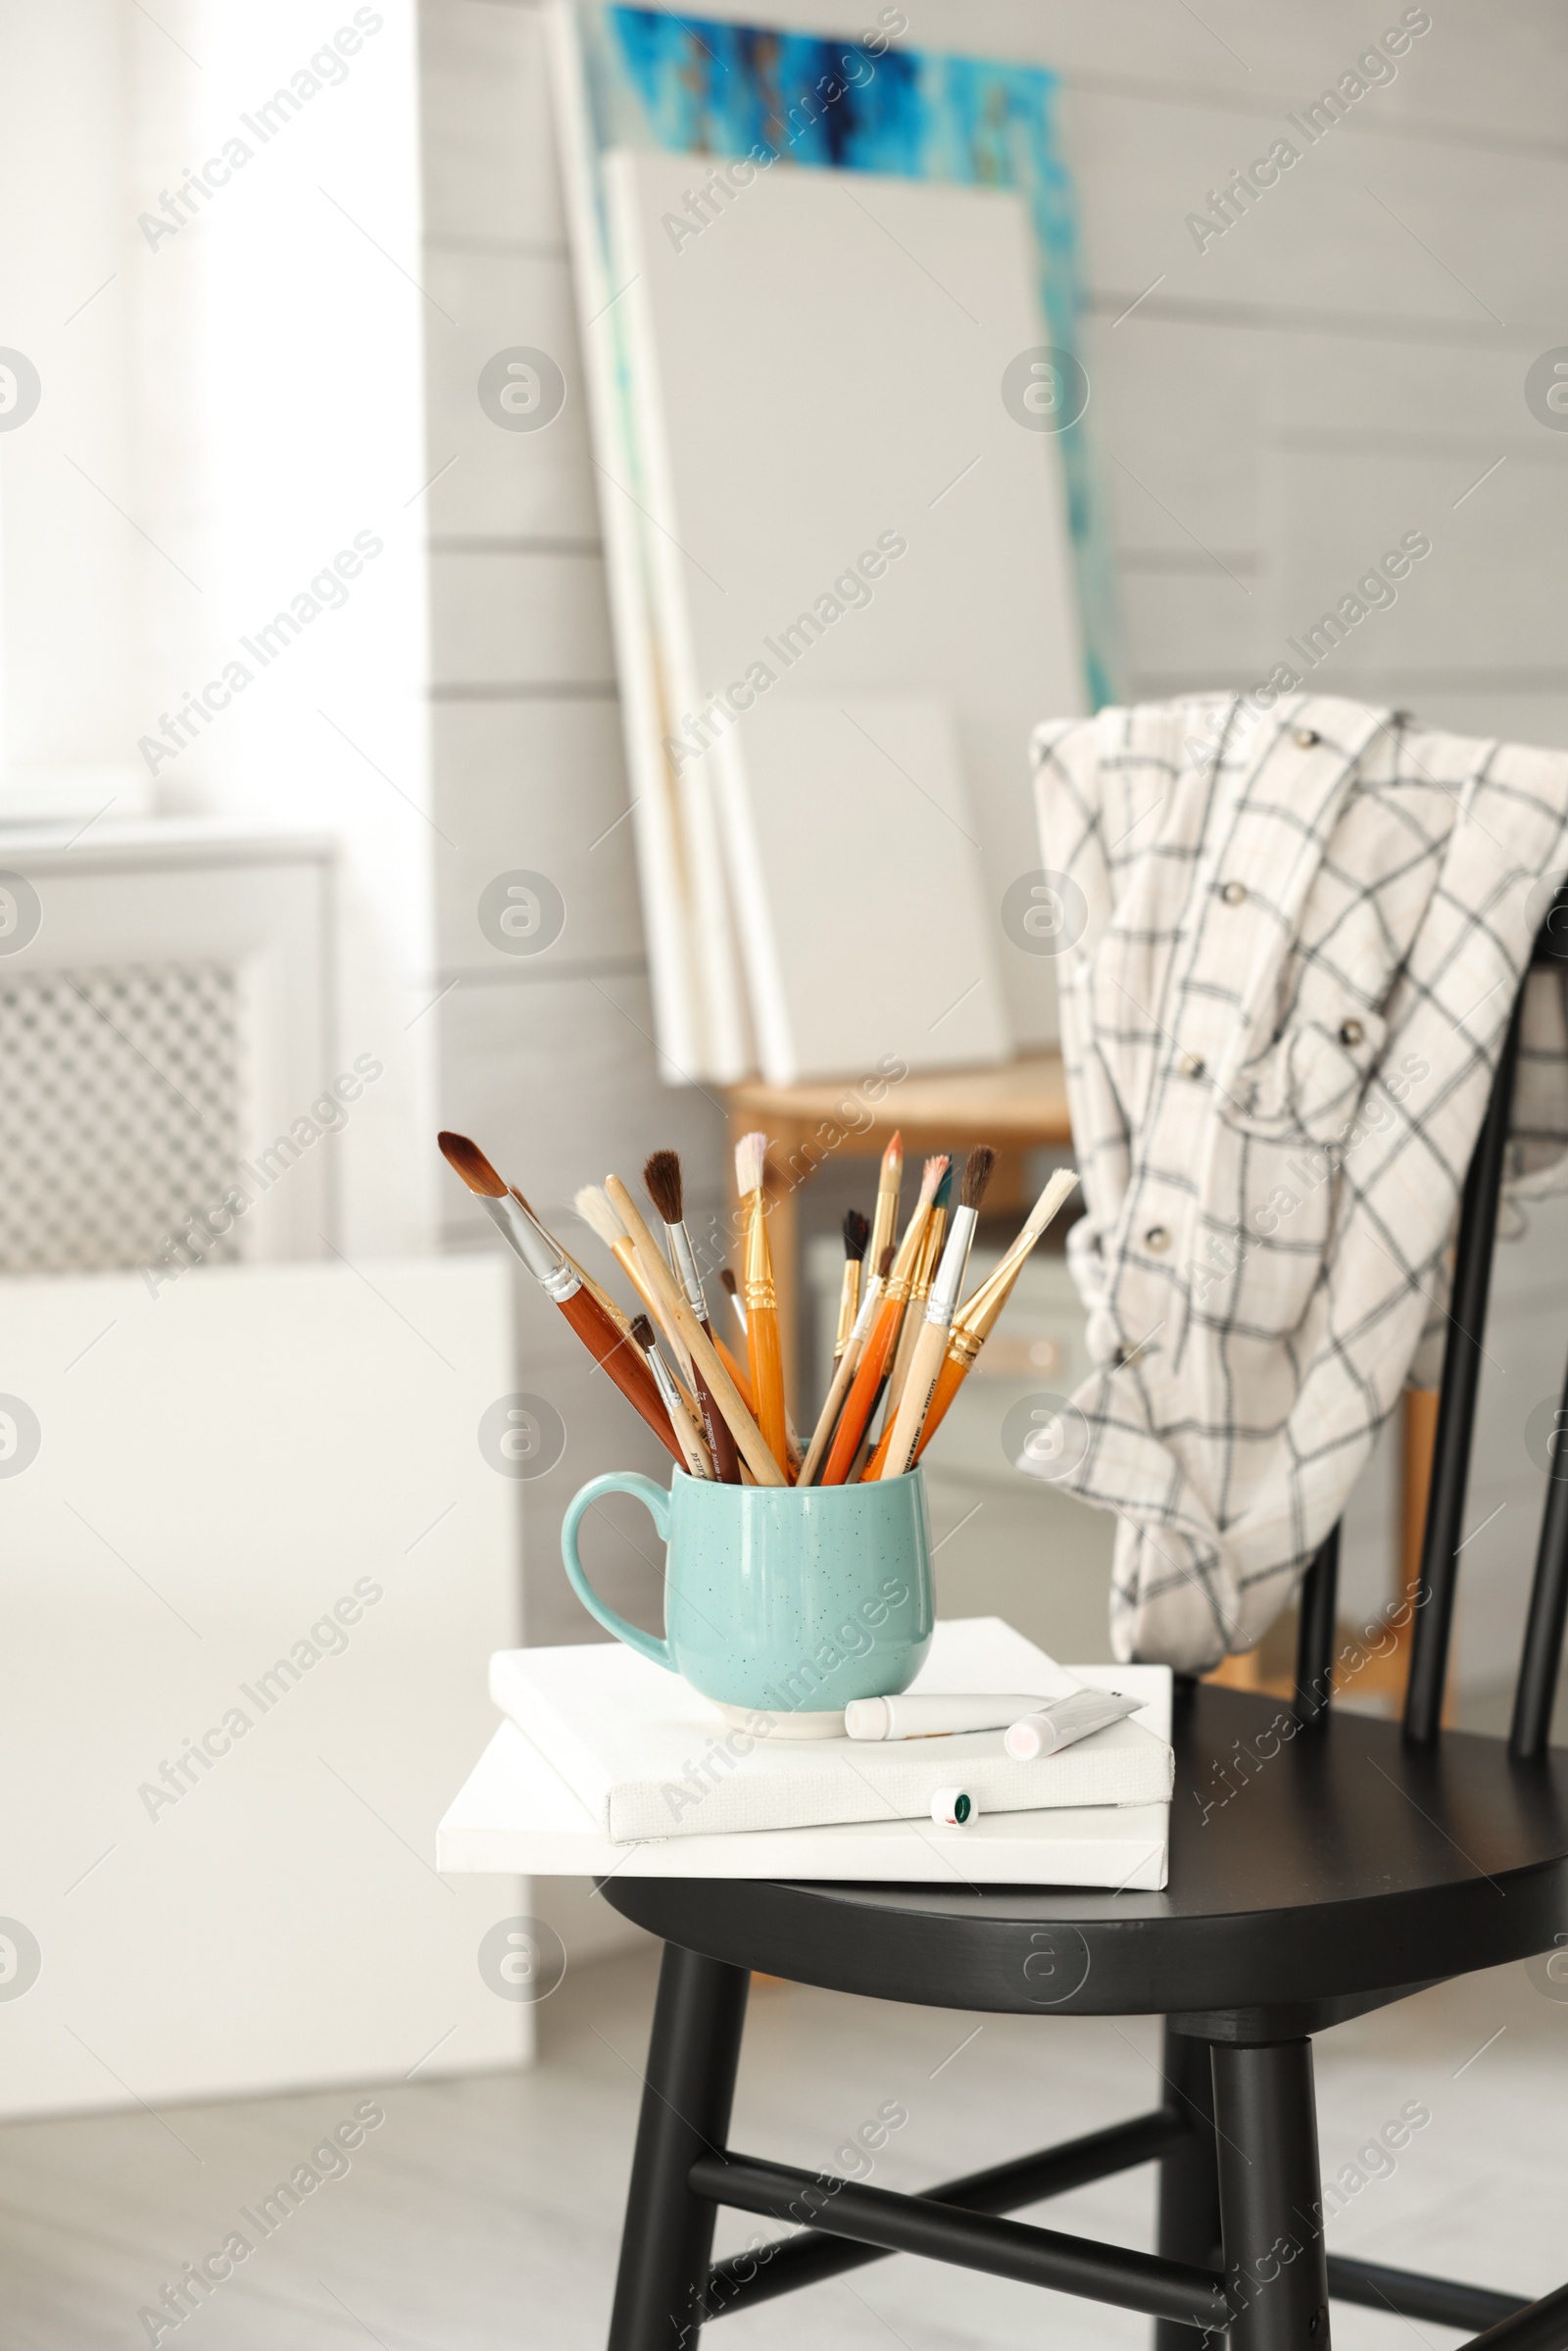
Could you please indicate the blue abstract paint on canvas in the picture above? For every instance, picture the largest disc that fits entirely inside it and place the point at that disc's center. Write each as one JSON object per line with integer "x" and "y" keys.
{"x": 693, "y": 86}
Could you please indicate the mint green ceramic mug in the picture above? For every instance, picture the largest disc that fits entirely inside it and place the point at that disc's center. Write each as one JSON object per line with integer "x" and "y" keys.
{"x": 784, "y": 1601}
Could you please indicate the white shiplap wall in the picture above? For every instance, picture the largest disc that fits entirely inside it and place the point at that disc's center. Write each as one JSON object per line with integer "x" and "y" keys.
{"x": 1343, "y": 365}
{"x": 549, "y": 1061}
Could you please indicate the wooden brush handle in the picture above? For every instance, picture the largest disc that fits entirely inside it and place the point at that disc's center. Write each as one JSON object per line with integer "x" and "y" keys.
{"x": 767, "y": 1379}
{"x": 898, "y": 1448}
{"x": 740, "y": 1376}
{"x": 821, "y": 1435}
{"x": 863, "y": 1394}
{"x": 704, "y": 1354}
{"x": 623, "y": 1361}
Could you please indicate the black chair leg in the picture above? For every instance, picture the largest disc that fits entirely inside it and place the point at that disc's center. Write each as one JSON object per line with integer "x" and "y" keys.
{"x": 1189, "y": 2180}
{"x": 1276, "y": 2265}
{"x": 669, "y": 2237}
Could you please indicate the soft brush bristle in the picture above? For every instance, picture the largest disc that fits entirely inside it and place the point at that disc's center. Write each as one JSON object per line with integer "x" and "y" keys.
{"x": 931, "y": 1176}
{"x": 857, "y": 1233}
{"x": 594, "y": 1206}
{"x": 468, "y": 1160}
{"x": 642, "y": 1330}
{"x": 976, "y": 1176}
{"x": 662, "y": 1177}
{"x": 750, "y": 1155}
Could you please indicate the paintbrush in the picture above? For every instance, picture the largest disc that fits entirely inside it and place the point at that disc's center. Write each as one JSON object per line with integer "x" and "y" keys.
{"x": 884, "y": 1211}
{"x": 976, "y": 1318}
{"x": 847, "y": 1364}
{"x": 919, "y": 1293}
{"x": 699, "y": 1462}
{"x": 762, "y": 1305}
{"x": 898, "y": 1448}
{"x": 885, "y": 1403}
{"x": 663, "y": 1177}
{"x": 560, "y": 1283}
{"x": 737, "y": 1370}
{"x": 593, "y": 1205}
{"x": 743, "y": 1379}
{"x": 857, "y": 1233}
{"x": 705, "y": 1356}
{"x": 860, "y": 1402}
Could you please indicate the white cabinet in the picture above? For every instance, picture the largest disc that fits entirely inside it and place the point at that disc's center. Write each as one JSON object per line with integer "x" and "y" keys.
{"x": 166, "y": 1048}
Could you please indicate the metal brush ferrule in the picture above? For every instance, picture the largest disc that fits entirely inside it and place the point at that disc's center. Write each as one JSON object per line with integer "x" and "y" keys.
{"x": 848, "y": 1303}
{"x": 669, "y": 1393}
{"x": 949, "y": 1275}
{"x": 556, "y": 1276}
{"x": 685, "y": 1264}
{"x": 867, "y": 1309}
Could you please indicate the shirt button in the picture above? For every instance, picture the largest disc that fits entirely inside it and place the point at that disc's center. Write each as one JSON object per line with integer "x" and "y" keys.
{"x": 1351, "y": 1032}
{"x": 1233, "y": 894}
{"x": 1191, "y": 1065}
{"x": 1306, "y": 738}
{"x": 1157, "y": 1237}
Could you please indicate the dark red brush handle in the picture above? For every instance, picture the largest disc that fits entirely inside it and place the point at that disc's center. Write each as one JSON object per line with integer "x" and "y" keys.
{"x": 720, "y": 1439}
{"x": 626, "y": 1363}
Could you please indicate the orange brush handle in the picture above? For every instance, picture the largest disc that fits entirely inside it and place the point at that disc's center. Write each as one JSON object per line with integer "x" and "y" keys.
{"x": 873, "y": 1468}
{"x": 623, "y": 1361}
{"x": 767, "y": 1380}
{"x": 738, "y": 1373}
{"x": 859, "y": 1403}
{"x": 949, "y": 1379}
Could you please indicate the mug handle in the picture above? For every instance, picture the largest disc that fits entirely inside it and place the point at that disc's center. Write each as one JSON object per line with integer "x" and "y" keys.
{"x": 655, "y": 1501}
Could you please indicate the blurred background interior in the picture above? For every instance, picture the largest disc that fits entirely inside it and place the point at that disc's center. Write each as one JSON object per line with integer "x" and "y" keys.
{"x": 386, "y": 489}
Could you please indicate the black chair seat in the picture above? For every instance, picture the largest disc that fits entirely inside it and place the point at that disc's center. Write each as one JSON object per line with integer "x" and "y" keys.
{"x": 1312, "y": 1878}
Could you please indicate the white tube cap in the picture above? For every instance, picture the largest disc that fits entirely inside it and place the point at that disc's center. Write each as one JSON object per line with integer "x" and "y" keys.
{"x": 868, "y": 1718}
{"x": 954, "y": 1808}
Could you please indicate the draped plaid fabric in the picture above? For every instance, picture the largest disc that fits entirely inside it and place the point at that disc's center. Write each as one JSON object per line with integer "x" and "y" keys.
{"x": 1299, "y": 939}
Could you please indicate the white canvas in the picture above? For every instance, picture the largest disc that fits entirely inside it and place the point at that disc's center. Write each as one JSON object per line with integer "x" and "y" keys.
{"x": 816, "y": 378}
{"x": 514, "y": 1813}
{"x": 650, "y": 1758}
{"x": 852, "y": 952}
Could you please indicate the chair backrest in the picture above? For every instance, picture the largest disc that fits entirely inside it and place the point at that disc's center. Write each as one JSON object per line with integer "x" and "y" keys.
{"x": 1541, "y": 1656}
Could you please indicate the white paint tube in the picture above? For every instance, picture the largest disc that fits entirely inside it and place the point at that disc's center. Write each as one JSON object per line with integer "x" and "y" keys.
{"x": 926, "y": 1716}
{"x": 1057, "y": 1725}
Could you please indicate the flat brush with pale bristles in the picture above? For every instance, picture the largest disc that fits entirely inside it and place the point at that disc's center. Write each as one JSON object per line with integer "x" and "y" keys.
{"x": 705, "y": 1355}
{"x": 663, "y": 1177}
{"x": 761, "y": 1303}
{"x": 594, "y": 1206}
{"x": 699, "y": 1462}
{"x": 845, "y": 1371}
{"x": 898, "y": 1450}
{"x": 976, "y": 1318}
{"x": 860, "y": 1402}
{"x": 562, "y": 1284}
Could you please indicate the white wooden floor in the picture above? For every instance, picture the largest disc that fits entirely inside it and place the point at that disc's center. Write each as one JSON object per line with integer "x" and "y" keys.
{"x": 484, "y": 2213}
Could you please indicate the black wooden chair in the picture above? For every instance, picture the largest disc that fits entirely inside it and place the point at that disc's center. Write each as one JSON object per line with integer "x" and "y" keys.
{"x": 1365, "y": 1861}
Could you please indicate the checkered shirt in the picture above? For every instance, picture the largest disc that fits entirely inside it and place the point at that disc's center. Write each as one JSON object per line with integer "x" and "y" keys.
{"x": 1290, "y": 946}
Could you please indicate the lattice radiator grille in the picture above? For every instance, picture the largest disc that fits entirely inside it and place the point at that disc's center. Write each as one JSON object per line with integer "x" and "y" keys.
{"x": 119, "y": 1111}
